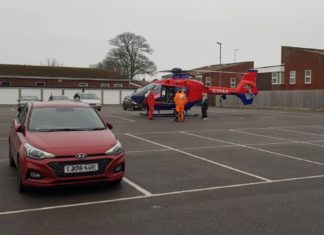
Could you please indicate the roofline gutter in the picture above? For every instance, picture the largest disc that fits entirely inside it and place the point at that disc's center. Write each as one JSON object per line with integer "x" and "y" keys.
{"x": 64, "y": 78}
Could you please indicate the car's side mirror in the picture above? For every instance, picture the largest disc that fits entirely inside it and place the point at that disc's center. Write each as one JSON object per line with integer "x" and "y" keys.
{"x": 109, "y": 125}
{"x": 20, "y": 128}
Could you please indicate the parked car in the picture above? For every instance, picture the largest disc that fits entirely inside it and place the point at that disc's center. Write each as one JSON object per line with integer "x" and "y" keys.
{"x": 25, "y": 99}
{"x": 58, "y": 98}
{"x": 62, "y": 143}
{"x": 89, "y": 98}
{"x": 128, "y": 103}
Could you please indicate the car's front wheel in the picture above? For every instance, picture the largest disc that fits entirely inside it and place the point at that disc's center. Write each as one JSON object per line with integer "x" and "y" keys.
{"x": 21, "y": 187}
{"x": 11, "y": 161}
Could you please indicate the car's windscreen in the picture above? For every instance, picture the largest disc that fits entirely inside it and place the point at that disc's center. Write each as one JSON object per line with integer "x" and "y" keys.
{"x": 142, "y": 91}
{"x": 29, "y": 98}
{"x": 65, "y": 119}
{"x": 88, "y": 96}
{"x": 60, "y": 98}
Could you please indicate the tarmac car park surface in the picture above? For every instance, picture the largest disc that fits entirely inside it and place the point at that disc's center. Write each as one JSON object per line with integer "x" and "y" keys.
{"x": 242, "y": 171}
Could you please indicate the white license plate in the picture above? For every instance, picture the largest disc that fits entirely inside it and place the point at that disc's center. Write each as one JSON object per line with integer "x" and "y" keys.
{"x": 81, "y": 168}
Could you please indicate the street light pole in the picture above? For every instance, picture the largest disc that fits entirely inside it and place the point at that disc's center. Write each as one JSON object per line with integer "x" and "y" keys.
{"x": 235, "y": 53}
{"x": 220, "y": 62}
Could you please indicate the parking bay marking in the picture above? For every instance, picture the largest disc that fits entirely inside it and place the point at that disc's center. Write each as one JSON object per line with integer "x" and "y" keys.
{"x": 137, "y": 187}
{"x": 200, "y": 158}
{"x": 156, "y": 195}
{"x": 126, "y": 119}
{"x": 258, "y": 149}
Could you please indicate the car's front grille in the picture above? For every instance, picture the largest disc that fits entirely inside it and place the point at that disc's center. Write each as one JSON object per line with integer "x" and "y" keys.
{"x": 58, "y": 167}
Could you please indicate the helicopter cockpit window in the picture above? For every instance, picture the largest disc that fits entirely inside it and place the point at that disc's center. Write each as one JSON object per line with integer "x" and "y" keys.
{"x": 142, "y": 91}
{"x": 168, "y": 93}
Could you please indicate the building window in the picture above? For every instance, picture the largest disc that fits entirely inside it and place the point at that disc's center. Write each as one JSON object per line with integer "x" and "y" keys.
{"x": 308, "y": 76}
{"x": 233, "y": 82}
{"x": 208, "y": 81}
{"x": 40, "y": 84}
{"x": 292, "y": 77}
{"x": 199, "y": 77}
{"x": 277, "y": 78}
{"x": 5, "y": 83}
{"x": 105, "y": 85}
{"x": 118, "y": 85}
{"x": 83, "y": 84}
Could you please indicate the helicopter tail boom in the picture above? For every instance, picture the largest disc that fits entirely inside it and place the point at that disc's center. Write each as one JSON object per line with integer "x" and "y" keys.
{"x": 246, "y": 90}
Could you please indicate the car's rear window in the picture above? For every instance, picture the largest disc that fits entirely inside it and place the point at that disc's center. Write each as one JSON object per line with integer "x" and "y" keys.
{"x": 64, "y": 119}
{"x": 88, "y": 96}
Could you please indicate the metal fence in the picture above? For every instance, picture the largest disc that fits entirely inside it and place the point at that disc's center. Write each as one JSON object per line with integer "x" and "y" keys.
{"x": 295, "y": 100}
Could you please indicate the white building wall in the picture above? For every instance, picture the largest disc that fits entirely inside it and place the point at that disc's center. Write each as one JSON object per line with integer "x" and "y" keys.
{"x": 48, "y": 92}
{"x": 9, "y": 95}
{"x": 31, "y": 91}
{"x": 126, "y": 93}
{"x": 108, "y": 96}
{"x": 111, "y": 97}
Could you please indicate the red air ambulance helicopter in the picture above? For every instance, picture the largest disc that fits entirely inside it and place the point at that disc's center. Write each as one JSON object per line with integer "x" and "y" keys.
{"x": 165, "y": 89}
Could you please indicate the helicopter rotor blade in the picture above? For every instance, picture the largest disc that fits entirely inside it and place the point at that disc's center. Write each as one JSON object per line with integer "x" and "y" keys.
{"x": 214, "y": 71}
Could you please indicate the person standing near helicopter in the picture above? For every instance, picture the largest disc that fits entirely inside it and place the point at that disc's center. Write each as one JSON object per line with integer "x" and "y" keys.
{"x": 204, "y": 106}
{"x": 180, "y": 101}
{"x": 150, "y": 104}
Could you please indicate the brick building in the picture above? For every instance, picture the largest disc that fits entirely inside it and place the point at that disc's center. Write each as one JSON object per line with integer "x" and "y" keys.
{"x": 300, "y": 69}
{"x": 63, "y": 77}
{"x": 304, "y": 68}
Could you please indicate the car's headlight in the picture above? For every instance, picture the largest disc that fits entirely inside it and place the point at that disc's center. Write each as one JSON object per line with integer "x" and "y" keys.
{"x": 35, "y": 153}
{"x": 117, "y": 149}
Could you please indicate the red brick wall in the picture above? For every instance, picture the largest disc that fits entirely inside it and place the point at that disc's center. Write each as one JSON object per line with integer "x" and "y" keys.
{"x": 224, "y": 79}
{"x": 299, "y": 60}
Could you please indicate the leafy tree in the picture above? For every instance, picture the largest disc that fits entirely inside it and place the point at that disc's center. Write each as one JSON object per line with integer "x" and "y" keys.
{"x": 129, "y": 55}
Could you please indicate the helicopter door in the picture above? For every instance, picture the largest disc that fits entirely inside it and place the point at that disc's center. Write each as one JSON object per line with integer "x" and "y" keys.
{"x": 168, "y": 93}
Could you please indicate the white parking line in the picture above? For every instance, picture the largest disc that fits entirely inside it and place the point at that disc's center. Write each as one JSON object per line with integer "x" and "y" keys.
{"x": 299, "y": 132}
{"x": 148, "y": 150}
{"x": 126, "y": 119}
{"x": 200, "y": 158}
{"x": 283, "y": 139}
{"x": 156, "y": 195}
{"x": 258, "y": 149}
{"x": 13, "y": 110}
{"x": 3, "y": 138}
{"x": 137, "y": 187}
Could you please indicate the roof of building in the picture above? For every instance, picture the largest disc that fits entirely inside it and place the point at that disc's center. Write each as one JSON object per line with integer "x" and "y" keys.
{"x": 313, "y": 50}
{"x": 271, "y": 69}
{"x": 58, "y": 72}
{"x": 220, "y": 67}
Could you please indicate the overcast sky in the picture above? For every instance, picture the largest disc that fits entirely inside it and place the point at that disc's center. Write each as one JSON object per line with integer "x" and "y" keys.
{"x": 182, "y": 33}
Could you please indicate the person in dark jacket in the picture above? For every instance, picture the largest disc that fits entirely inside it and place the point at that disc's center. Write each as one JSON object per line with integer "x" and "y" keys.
{"x": 204, "y": 106}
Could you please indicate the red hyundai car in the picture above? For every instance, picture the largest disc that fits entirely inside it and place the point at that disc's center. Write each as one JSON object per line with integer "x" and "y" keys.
{"x": 62, "y": 143}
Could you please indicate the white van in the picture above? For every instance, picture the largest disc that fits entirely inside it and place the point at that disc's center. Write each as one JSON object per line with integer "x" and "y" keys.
{"x": 89, "y": 98}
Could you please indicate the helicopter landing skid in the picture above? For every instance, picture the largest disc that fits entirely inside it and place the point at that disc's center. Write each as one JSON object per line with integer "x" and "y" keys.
{"x": 170, "y": 114}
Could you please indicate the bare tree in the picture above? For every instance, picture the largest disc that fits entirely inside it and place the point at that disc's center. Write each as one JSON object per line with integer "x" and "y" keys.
{"x": 52, "y": 62}
{"x": 129, "y": 55}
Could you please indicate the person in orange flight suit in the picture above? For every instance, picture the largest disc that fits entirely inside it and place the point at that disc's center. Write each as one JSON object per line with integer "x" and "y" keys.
{"x": 150, "y": 103}
{"x": 180, "y": 101}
